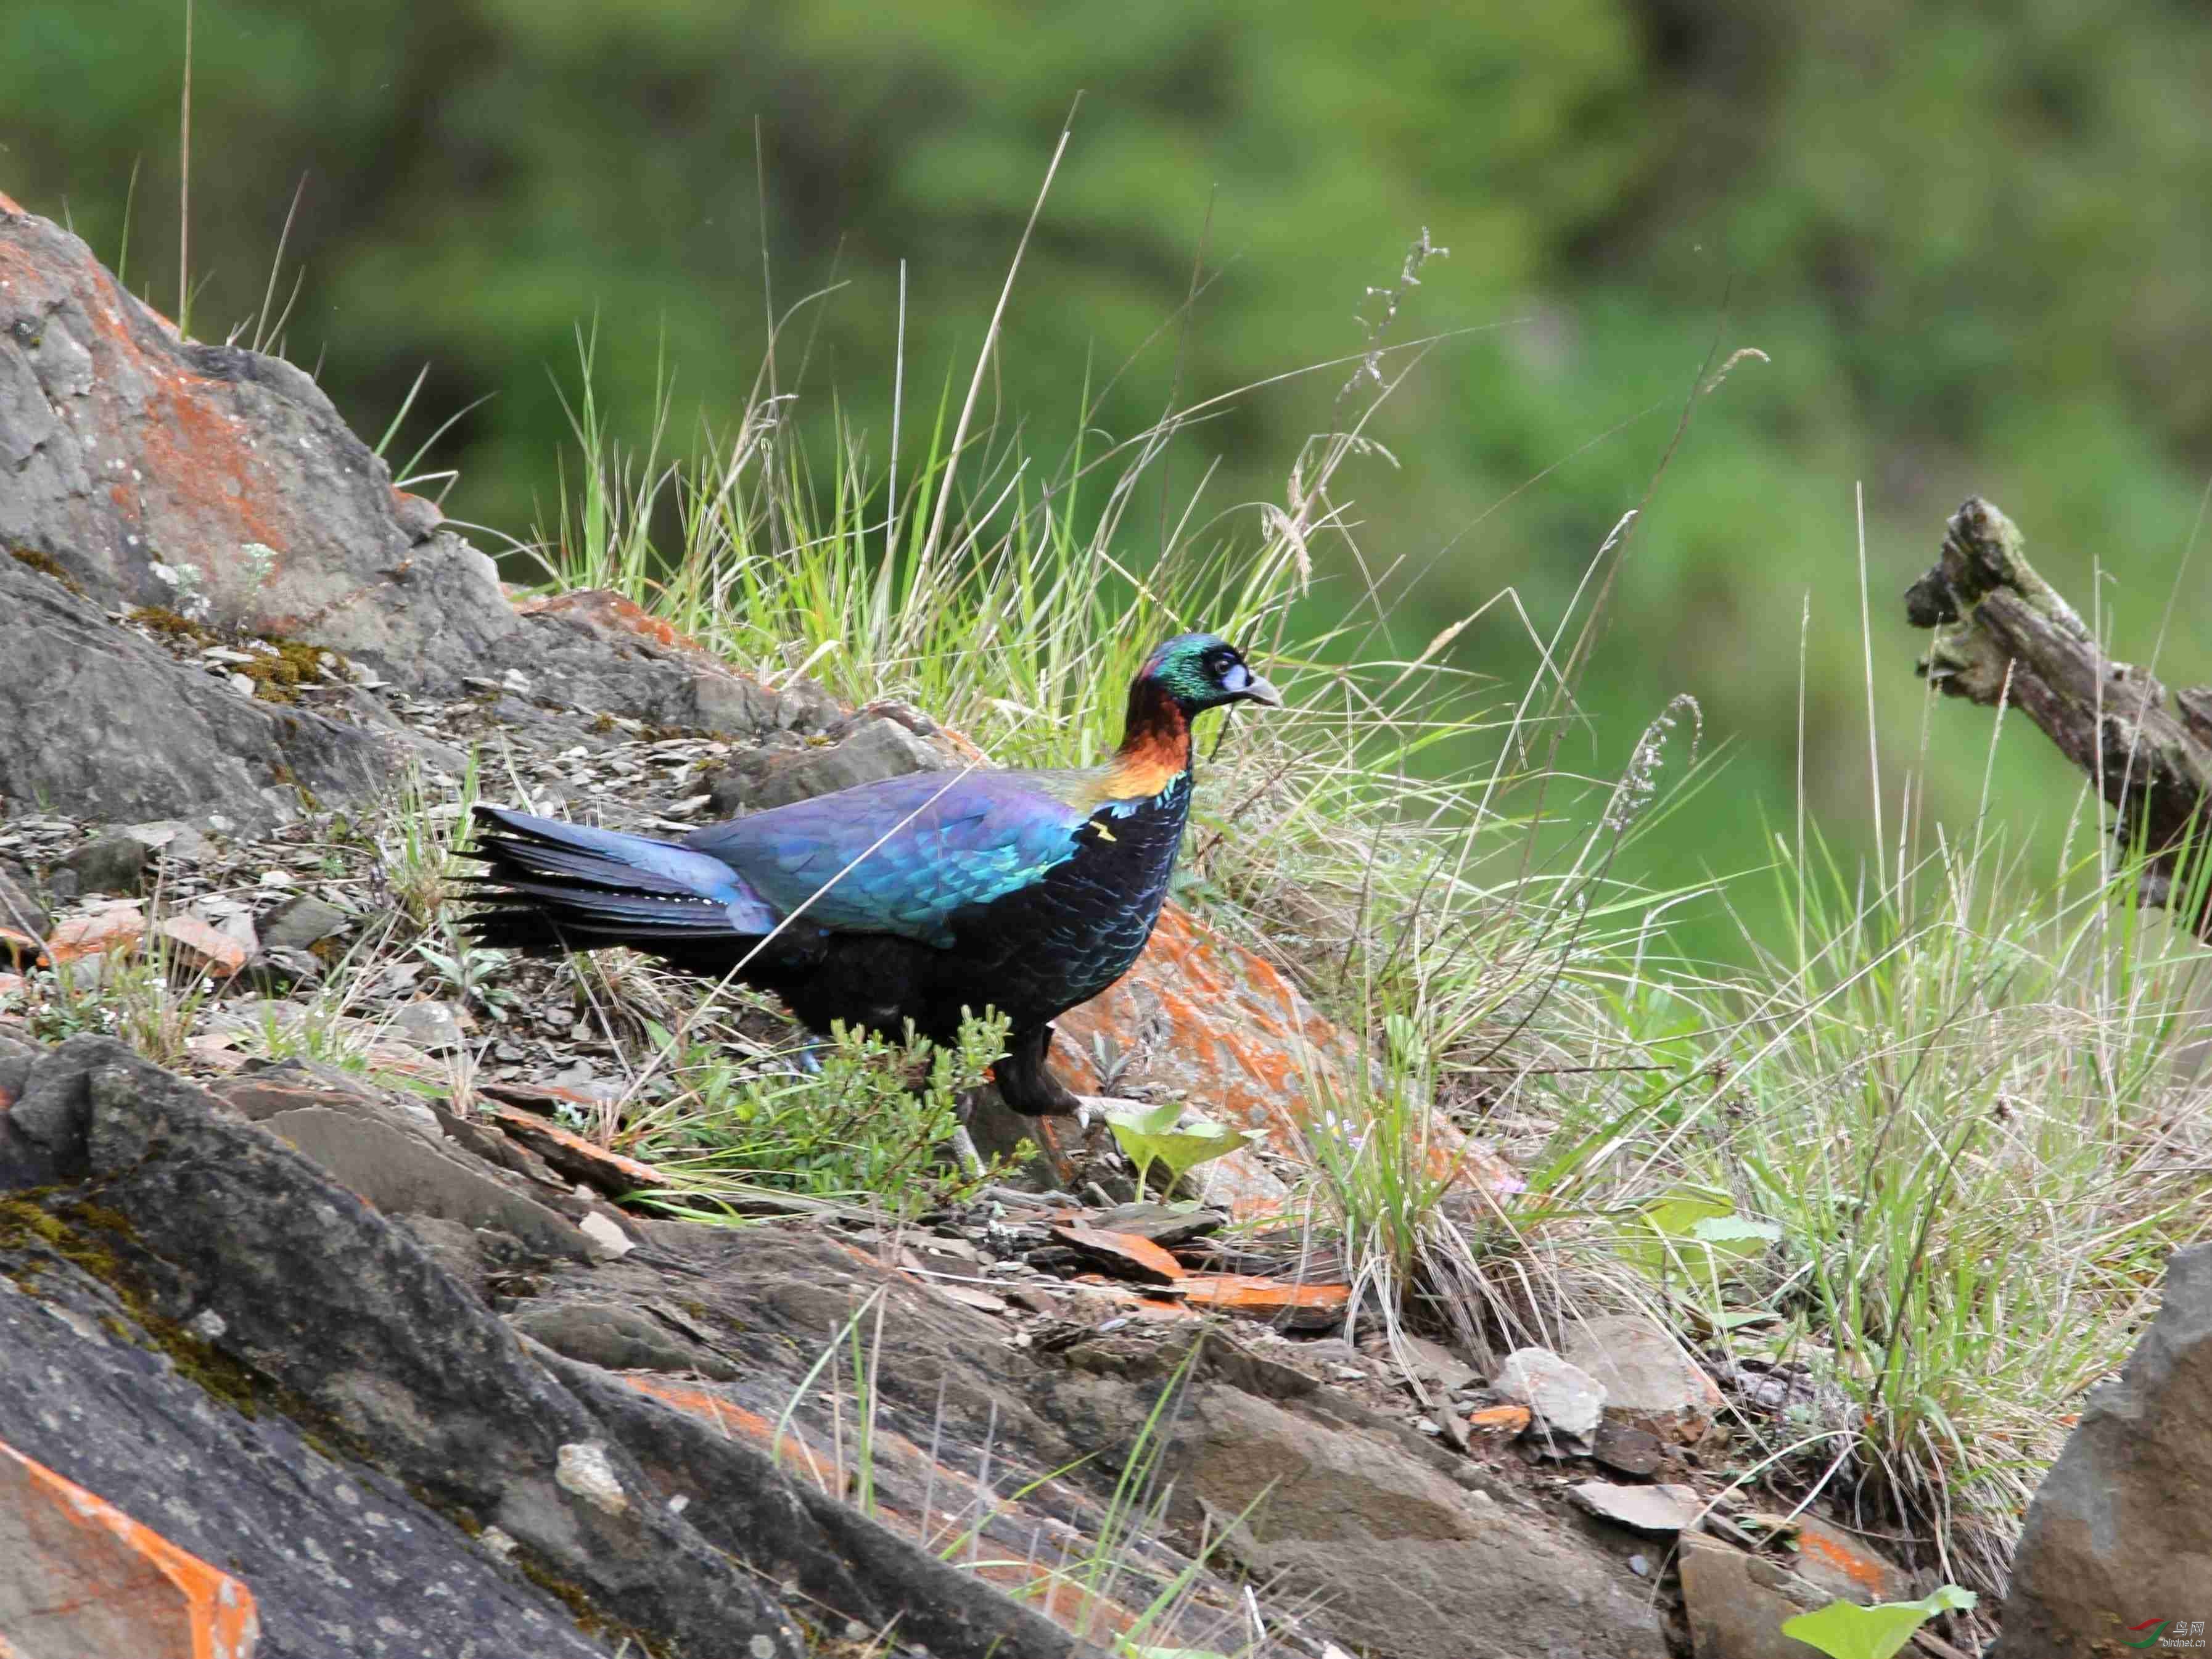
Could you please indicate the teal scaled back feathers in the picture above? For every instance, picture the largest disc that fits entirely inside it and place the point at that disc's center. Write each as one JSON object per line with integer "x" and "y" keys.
{"x": 902, "y": 856}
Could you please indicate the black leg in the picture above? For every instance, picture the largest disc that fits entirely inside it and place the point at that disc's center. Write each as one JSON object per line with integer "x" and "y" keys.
{"x": 1024, "y": 1083}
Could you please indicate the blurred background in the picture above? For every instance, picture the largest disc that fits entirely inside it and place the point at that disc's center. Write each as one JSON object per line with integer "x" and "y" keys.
{"x": 1969, "y": 239}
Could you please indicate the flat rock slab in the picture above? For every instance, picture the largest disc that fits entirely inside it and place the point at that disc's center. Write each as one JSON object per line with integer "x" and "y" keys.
{"x": 1659, "y": 1510}
{"x": 1649, "y": 1381}
{"x": 1838, "y": 1562}
{"x": 79, "y": 1576}
{"x": 1124, "y": 1256}
{"x": 110, "y": 726}
{"x": 1626, "y": 1451}
{"x": 400, "y": 1175}
{"x": 292, "y": 1283}
{"x": 1405, "y": 1561}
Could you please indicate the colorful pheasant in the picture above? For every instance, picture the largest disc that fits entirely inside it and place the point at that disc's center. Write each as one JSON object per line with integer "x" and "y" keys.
{"x": 916, "y": 897}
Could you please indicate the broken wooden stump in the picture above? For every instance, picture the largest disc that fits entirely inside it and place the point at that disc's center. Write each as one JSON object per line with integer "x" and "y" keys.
{"x": 2005, "y": 637}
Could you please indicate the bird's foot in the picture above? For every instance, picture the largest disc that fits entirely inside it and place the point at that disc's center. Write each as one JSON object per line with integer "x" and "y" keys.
{"x": 805, "y": 1058}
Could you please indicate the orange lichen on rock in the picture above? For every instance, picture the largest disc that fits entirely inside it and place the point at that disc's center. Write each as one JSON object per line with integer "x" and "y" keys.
{"x": 1211, "y": 1022}
{"x": 204, "y": 945}
{"x": 1838, "y": 1556}
{"x": 1501, "y": 1422}
{"x": 1264, "y": 1298}
{"x": 86, "y": 1578}
{"x": 733, "y": 1420}
{"x": 1061, "y": 1598}
{"x": 612, "y": 1170}
{"x": 109, "y": 930}
{"x": 604, "y": 610}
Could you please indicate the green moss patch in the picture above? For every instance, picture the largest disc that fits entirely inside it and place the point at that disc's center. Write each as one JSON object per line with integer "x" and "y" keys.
{"x": 47, "y": 565}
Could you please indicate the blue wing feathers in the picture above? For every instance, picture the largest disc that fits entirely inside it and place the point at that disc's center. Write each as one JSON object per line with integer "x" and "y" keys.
{"x": 901, "y": 856}
{"x": 927, "y": 845}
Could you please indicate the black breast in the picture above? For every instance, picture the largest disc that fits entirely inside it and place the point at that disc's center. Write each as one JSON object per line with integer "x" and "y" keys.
{"x": 1068, "y": 936}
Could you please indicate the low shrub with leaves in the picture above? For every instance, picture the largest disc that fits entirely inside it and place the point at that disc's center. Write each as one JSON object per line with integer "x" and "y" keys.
{"x": 878, "y": 1120}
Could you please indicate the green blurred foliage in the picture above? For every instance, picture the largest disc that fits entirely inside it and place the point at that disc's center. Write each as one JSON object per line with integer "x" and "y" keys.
{"x": 1969, "y": 238}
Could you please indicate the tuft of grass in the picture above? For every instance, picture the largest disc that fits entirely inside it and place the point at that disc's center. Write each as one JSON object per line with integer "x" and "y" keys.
{"x": 419, "y": 838}
{"x": 150, "y": 995}
{"x": 1959, "y": 1104}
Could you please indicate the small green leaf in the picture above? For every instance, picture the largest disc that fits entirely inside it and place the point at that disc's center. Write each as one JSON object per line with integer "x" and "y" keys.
{"x": 1734, "y": 1230}
{"x": 1150, "y": 1138}
{"x": 1694, "y": 1229}
{"x": 1843, "y": 1630}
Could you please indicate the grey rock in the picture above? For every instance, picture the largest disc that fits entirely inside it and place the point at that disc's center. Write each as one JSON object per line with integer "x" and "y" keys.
{"x": 236, "y": 1234}
{"x": 617, "y": 1339}
{"x": 1660, "y": 1510}
{"x": 155, "y": 454}
{"x": 1649, "y": 1381}
{"x": 1166, "y": 1224}
{"x": 171, "y": 839}
{"x": 271, "y": 517}
{"x": 794, "y": 1534}
{"x": 20, "y": 909}
{"x": 805, "y": 707}
{"x": 262, "y": 1089}
{"x": 455, "y": 1246}
{"x": 2120, "y": 1523}
{"x": 1626, "y": 1451}
{"x": 330, "y": 1548}
{"x": 1736, "y": 1604}
{"x": 601, "y": 654}
{"x": 1436, "y": 1366}
{"x": 106, "y": 725}
{"x": 300, "y": 923}
{"x": 1402, "y": 1560}
{"x": 110, "y": 864}
{"x": 875, "y": 748}
{"x": 1561, "y": 1397}
{"x": 435, "y": 1028}
{"x": 278, "y": 971}
{"x": 400, "y": 1175}
{"x": 604, "y": 1235}
{"x": 730, "y": 703}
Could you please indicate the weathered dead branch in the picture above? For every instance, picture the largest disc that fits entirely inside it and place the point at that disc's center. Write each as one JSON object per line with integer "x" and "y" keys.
{"x": 2003, "y": 636}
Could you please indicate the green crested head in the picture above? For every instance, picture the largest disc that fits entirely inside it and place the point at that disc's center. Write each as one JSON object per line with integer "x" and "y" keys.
{"x": 1204, "y": 671}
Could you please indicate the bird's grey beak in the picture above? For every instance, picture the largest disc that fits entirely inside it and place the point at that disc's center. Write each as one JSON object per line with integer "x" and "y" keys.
{"x": 1260, "y": 691}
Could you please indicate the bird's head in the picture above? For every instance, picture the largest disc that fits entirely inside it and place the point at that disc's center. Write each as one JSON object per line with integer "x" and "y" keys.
{"x": 1204, "y": 671}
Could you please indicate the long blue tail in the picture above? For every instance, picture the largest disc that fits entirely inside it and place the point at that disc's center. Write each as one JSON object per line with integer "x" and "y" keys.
{"x": 550, "y": 887}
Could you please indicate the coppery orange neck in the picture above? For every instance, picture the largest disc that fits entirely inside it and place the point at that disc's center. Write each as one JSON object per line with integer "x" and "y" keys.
{"x": 1155, "y": 742}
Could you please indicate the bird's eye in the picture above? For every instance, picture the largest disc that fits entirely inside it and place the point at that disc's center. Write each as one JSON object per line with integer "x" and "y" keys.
{"x": 1218, "y": 663}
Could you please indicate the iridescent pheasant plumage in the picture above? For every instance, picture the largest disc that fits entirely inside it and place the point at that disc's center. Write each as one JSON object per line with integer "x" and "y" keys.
{"x": 916, "y": 897}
